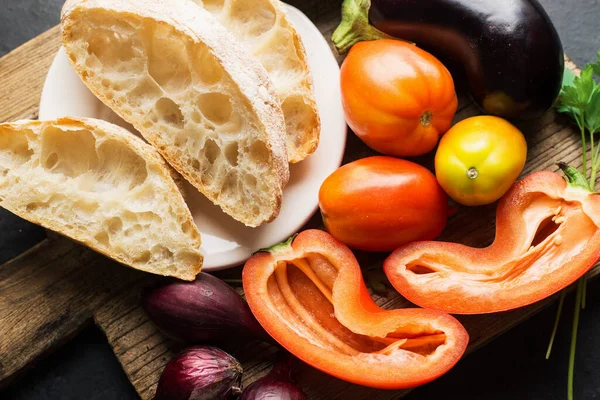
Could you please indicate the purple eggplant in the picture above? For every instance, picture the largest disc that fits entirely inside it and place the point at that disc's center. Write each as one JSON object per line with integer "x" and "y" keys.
{"x": 206, "y": 309}
{"x": 200, "y": 373}
{"x": 509, "y": 50}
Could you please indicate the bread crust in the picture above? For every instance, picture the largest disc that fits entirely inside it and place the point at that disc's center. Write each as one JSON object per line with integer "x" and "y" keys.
{"x": 107, "y": 131}
{"x": 311, "y": 127}
{"x": 313, "y": 130}
{"x": 251, "y": 79}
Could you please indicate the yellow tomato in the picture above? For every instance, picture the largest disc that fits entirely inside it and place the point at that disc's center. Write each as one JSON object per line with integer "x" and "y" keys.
{"x": 479, "y": 159}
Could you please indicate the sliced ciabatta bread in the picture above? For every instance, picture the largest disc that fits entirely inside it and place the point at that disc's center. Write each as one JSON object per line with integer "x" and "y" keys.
{"x": 100, "y": 185}
{"x": 262, "y": 26}
{"x": 184, "y": 82}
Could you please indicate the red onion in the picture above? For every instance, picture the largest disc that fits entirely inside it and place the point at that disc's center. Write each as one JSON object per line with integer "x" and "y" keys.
{"x": 203, "y": 310}
{"x": 200, "y": 373}
{"x": 277, "y": 385}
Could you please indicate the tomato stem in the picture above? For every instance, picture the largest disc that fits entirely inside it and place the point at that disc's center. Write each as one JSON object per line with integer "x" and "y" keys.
{"x": 472, "y": 173}
{"x": 426, "y": 118}
{"x": 556, "y": 321}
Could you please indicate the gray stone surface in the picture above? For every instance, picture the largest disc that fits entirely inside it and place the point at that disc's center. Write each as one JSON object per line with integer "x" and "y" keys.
{"x": 513, "y": 366}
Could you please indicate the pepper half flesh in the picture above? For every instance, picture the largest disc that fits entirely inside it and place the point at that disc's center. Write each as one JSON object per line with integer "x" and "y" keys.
{"x": 547, "y": 237}
{"x": 310, "y": 297}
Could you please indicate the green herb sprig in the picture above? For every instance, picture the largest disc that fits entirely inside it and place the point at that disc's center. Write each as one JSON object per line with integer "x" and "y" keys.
{"x": 580, "y": 99}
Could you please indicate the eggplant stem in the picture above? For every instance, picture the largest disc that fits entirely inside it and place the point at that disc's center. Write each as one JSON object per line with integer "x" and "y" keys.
{"x": 355, "y": 26}
{"x": 561, "y": 302}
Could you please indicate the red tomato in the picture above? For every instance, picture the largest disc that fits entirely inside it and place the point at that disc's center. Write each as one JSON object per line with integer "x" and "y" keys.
{"x": 381, "y": 203}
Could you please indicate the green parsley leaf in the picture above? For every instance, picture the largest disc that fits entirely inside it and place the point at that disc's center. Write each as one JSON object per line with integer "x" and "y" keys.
{"x": 568, "y": 103}
{"x": 596, "y": 67}
{"x": 568, "y": 77}
{"x": 570, "y": 95}
{"x": 584, "y": 85}
{"x": 592, "y": 112}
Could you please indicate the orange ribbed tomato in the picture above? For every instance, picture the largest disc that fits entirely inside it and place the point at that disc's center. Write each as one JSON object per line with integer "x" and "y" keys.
{"x": 398, "y": 99}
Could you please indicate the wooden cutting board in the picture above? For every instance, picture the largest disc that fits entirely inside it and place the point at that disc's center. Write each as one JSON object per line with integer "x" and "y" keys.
{"x": 58, "y": 287}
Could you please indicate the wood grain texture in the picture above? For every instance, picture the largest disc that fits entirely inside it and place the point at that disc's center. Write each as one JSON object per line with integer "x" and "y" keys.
{"x": 57, "y": 287}
{"x": 22, "y": 75}
{"x": 48, "y": 294}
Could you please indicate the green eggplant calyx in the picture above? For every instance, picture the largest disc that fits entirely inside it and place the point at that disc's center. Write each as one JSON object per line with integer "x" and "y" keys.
{"x": 278, "y": 247}
{"x": 574, "y": 177}
{"x": 355, "y": 26}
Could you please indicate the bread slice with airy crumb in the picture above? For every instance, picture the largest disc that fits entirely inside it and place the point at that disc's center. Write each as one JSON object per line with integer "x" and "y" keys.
{"x": 184, "y": 82}
{"x": 100, "y": 185}
{"x": 265, "y": 31}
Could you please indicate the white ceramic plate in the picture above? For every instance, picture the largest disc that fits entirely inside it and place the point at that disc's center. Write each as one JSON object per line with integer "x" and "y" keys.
{"x": 226, "y": 242}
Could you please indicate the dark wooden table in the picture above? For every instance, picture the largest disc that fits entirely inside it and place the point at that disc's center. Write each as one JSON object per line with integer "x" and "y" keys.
{"x": 511, "y": 367}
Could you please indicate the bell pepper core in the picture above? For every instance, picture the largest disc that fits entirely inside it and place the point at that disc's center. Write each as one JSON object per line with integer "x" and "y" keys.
{"x": 547, "y": 237}
{"x": 310, "y": 296}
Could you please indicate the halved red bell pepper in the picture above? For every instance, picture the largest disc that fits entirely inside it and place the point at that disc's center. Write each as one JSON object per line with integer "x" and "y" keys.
{"x": 310, "y": 296}
{"x": 547, "y": 236}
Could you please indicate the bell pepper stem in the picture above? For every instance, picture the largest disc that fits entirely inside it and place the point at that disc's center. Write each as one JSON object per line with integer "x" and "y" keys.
{"x": 574, "y": 177}
{"x": 278, "y": 247}
{"x": 355, "y": 26}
